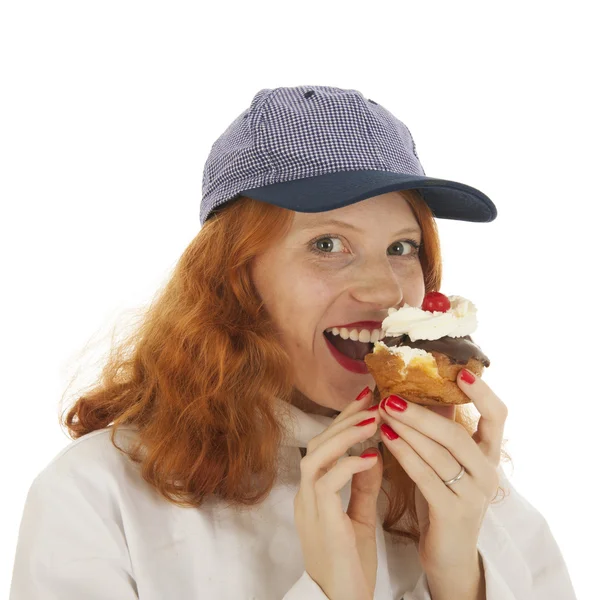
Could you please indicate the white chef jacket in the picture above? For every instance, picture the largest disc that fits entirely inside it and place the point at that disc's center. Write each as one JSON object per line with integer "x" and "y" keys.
{"x": 93, "y": 529}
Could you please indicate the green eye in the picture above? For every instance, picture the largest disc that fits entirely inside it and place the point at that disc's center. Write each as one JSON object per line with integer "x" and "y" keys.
{"x": 415, "y": 246}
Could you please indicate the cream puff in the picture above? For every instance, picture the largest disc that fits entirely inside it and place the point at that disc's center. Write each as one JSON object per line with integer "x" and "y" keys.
{"x": 423, "y": 350}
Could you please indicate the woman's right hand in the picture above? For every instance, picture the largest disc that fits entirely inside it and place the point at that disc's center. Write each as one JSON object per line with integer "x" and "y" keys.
{"x": 339, "y": 548}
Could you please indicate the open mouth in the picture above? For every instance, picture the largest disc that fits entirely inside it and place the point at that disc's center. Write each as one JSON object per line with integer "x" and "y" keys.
{"x": 349, "y": 348}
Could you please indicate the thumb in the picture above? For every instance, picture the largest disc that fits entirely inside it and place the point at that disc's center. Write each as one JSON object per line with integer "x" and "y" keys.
{"x": 364, "y": 491}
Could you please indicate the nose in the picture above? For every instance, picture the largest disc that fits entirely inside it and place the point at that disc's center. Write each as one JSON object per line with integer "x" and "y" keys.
{"x": 378, "y": 284}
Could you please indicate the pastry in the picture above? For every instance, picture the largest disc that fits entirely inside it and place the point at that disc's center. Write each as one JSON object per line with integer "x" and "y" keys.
{"x": 424, "y": 349}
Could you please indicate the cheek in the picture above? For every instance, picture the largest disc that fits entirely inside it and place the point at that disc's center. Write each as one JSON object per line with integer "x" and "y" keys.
{"x": 297, "y": 305}
{"x": 302, "y": 306}
{"x": 295, "y": 298}
{"x": 307, "y": 299}
{"x": 277, "y": 286}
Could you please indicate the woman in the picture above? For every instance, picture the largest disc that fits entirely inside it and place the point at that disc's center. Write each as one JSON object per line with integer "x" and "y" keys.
{"x": 221, "y": 453}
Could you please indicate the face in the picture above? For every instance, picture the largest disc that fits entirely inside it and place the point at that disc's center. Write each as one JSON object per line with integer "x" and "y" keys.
{"x": 349, "y": 276}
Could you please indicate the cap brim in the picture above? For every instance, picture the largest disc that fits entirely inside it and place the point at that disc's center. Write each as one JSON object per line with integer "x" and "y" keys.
{"x": 447, "y": 199}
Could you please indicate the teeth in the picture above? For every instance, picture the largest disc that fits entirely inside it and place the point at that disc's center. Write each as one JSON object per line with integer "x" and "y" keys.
{"x": 364, "y": 335}
{"x": 376, "y": 336}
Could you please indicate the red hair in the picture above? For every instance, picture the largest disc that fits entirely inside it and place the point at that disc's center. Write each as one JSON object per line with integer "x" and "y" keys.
{"x": 197, "y": 376}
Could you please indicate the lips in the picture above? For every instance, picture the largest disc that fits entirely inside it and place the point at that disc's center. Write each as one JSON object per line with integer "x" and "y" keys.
{"x": 370, "y": 325}
{"x": 350, "y": 348}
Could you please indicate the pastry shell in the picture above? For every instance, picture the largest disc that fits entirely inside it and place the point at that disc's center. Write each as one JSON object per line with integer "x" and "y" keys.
{"x": 423, "y": 383}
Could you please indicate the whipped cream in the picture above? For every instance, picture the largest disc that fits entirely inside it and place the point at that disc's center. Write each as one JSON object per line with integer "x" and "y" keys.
{"x": 460, "y": 320}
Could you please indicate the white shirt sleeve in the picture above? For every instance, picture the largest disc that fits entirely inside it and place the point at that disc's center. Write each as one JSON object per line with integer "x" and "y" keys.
{"x": 71, "y": 544}
{"x": 520, "y": 556}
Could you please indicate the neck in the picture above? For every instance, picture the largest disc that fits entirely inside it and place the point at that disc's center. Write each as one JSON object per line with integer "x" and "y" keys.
{"x": 305, "y": 404}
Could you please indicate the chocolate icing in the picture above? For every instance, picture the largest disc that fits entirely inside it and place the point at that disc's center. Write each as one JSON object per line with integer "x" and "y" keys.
{"x": 459, "y": 350}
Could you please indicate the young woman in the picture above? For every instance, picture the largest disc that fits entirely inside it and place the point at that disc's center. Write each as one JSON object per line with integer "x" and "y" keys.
{"x": 220, "y": 455}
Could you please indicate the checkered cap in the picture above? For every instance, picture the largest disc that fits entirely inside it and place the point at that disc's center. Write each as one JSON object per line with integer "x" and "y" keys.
{"x": 318, "y": 148}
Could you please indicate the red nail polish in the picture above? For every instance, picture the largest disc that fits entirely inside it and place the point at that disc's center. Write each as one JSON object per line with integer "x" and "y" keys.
{"x": 362, "y": 394}
{"x": 368, "y": 455}
{"x": 366, "y": 422}
{"x": 374, "y": 408}
{"x": 389, "y": 432}
{"x": 467, "y": 376}
{"x": 396, "y": 403}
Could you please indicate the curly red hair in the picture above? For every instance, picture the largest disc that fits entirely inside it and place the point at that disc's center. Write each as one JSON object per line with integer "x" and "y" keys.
{"x": 197, "y": 376}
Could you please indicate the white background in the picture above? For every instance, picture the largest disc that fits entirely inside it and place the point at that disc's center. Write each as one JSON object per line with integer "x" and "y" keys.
{"x": 108, "y": 111}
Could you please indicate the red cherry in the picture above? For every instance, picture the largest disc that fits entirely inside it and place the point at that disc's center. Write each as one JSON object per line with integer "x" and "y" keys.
{"x": 435, "y": 301}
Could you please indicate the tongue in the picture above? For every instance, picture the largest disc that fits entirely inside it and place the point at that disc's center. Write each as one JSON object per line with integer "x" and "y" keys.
{"x": 350, "y": 348}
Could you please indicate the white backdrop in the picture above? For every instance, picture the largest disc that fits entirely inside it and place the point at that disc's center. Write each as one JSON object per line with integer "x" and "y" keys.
{"x": 107, "y": 114}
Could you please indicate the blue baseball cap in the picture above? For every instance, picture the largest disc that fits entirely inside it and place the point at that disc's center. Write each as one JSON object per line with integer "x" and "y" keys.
{"x": 318, "y": 148}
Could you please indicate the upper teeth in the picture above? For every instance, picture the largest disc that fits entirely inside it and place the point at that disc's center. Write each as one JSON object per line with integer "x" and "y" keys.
{"x": 363, "y": 336}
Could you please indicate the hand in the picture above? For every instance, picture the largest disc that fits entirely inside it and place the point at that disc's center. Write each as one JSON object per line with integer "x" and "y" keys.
{"x": 431, "y": 448}
{"x": 339, "y": 548}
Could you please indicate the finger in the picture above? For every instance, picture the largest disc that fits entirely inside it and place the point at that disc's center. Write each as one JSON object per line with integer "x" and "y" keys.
{"x": 450, "y": 437}
{"x": 490, "y": 429}
{"x": 355, "y": 412}
{"x": 324, "y": 455}
{"x": 320, "y": 458}
{"x": 435, "y": 491}
{"x": 354, "y": 406}
{"x": 443, "y": 463}
{"x": 328, "y": 501}
{"x": 364, "y": 492}
{"x": 448, "y": 411}
{"x": 434, "y": 454}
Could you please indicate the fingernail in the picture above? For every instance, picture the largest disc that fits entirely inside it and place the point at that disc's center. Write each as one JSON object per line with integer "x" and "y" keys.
{"x": 363, "y": 394}
{"x": 389, "y": 432}
{"x": 368, "y": 455}
{"x": 467, "y": 376}
{"x": 374, "y": 408}
{"x": 366, "y": 422}
{"x": 396, "y": 403}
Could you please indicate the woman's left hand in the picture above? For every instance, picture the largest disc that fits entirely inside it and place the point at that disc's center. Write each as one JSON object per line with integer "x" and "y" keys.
{"x": 432, "y": 448}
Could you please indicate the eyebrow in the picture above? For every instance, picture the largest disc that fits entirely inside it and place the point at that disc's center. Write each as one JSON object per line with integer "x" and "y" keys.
{"x": 320, "y": 224}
